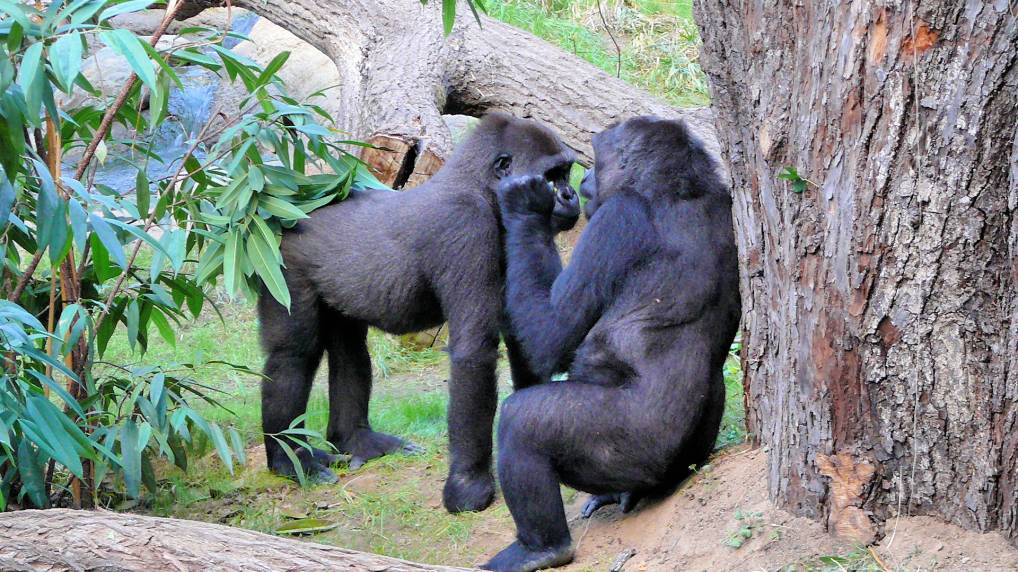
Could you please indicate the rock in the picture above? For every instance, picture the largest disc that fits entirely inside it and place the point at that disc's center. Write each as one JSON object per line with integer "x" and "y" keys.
{"x": 459, "y": 126}
{"x": 146, "y": 21}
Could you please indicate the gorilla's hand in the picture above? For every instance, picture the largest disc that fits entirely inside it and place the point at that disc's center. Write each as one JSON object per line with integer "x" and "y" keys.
{"x": 526, "y": 195}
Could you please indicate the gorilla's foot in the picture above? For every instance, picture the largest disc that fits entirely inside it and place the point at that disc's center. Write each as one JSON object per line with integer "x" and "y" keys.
{"x": 517, "y": 558}
{"x": 627, "y": 500}
{"x": 466, "y": 492}
{"x": 314, "y": 464}
{"x": 366, "y": 444}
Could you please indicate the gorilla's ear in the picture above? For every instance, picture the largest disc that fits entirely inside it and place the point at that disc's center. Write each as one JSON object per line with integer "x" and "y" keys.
{"x": 502, "y": 165}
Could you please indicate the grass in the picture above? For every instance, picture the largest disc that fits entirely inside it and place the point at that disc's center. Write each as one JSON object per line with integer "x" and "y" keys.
{"x": 659, "y": 42}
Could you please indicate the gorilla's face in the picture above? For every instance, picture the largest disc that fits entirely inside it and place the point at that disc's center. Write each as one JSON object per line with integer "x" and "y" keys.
{"x": 530, "y": 148}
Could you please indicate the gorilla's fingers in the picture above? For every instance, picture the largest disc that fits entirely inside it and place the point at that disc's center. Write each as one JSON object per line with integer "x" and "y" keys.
{"x": 357, "y": 462}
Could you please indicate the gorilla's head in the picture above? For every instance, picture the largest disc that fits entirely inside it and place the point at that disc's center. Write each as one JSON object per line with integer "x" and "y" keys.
{"x": 504, "y": 146}
{"x": 680, "y": 162}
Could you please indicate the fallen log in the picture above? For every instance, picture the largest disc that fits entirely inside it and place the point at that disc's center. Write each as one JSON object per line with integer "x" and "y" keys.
{"x": 61, "y": 539}
{"x": 400, "y": 74}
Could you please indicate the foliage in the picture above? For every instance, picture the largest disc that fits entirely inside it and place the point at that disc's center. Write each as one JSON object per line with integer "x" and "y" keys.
{"x": 747, "y": 523}
{"x": 791, "y": 174}
{"x": 658, "y": 39}
{"x": 71, "y": 270}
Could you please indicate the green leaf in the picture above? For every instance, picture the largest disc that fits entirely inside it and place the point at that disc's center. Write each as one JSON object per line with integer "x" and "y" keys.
{"x": 280, "y": 208}
{"x": 265, "y": 259}
{"x": 306, "y": 526}
{"x": 255, "y": 179}
{"x": 101, "y": 261}
{"x": 210, "y": 264}
{"x": 124, "y": 8}
{"x": 163, "y": 325}
{"x": 140, "y": 234}
{"x": 109, "y": 240}
{"x": 65, "y": 60}
{"x": 31, "y": 79}
{"x": 33, "y": 474}
{"x": 133, "y": 315}
{"x": 219, "y": 440}
{"x": 142, "y": 193}
{"x": 79, "y": 222}
{"x": 52, "y": 433}
{"x": 273, "y": 67}
{"x": 448, "y": 15}
{"x": 298, "y": 468}
{"x": 131, "y": 455}
{"x": 238, "y": 446}
{"x": 17, "y": 12}
{"x": 232, "y": 262}
{"x": 159, "y": 102}
{"x": 130, "y": 46}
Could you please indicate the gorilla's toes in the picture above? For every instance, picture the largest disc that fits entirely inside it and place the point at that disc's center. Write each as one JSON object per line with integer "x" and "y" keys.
{"x": 411, "y": 448}
{"x": 466, "y": 492}
{"x": 517, "y": 558}
{"x": 366, "y": 444}
{"x": 627, "y": 500}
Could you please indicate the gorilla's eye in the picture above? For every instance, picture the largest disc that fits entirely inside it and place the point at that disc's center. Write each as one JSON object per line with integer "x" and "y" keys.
{"x": 502, "y": 164}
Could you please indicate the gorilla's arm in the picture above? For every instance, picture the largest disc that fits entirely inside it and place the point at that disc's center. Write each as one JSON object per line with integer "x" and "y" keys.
{"x": 552, "y": 309}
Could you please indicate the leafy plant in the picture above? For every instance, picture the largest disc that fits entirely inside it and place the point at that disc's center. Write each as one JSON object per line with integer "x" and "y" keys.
{"x": 81, "y": 261}
{"x": 791, "y": 174}
{"x": 747, "y": 523}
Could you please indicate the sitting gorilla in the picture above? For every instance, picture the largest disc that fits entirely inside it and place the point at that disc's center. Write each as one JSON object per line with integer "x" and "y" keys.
{"x": 404, "y": 262}
{"x": 648, "y": 306}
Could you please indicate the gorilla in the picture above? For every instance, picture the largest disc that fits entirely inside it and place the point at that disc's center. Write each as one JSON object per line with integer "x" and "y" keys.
{"x": 643, "y": 318}
{"x": 404, "y": 262}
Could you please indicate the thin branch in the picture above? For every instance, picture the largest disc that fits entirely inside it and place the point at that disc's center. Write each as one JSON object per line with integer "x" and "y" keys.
{"x": 618, "y": 50}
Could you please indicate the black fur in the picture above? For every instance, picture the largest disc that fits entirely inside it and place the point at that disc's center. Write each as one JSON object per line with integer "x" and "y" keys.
{"x": 404, "y": 262}
{"x": 648, "y": 305}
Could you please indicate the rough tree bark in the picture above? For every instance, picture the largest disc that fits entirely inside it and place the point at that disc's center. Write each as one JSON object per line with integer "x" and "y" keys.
{"x": 400, "y": 74}
{"x": 59, "y": 539}
{"x": 881, "y": 314}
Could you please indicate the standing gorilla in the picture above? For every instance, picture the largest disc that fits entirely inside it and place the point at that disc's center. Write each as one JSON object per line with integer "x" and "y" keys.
{"x": 649, "y": 305}
{"x": 404, "y": 262}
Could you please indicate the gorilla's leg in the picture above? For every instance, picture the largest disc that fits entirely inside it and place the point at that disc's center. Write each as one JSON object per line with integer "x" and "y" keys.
{"x": 350, "y": 391}
{"x": 523, "y": 376}
{"x": 473, "y": 396}
{"x": 697, "y": 450}
{"x": 530, "y": 486}
{"x": 575, "y": 433}
{"x": 293, "y": 348}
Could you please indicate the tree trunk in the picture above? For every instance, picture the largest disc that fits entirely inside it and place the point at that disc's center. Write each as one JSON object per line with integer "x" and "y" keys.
{"x": 881, "y": 315}
{"x": 400, "y": 75}
{"x": 60, "y": 539}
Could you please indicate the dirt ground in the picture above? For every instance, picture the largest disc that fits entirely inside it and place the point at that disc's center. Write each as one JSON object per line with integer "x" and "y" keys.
{"x": 693, "y": 531}
{"x": 720, "y": 520}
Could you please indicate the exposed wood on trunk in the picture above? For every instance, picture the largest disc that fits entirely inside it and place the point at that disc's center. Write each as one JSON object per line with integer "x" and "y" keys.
{"x": 400, "y": 74}
{"x": 881, "y": 314}
{"x": 60, "y": 539}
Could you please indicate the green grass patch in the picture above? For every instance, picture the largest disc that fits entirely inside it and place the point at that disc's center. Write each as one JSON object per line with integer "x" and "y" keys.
{"x": 658, "y": 39}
